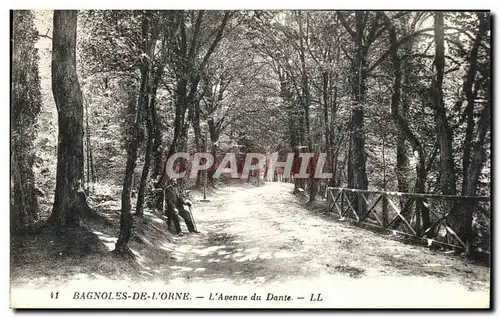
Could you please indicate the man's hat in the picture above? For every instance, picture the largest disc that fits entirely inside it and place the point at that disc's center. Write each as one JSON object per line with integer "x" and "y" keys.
{"x": 172, "y": 180}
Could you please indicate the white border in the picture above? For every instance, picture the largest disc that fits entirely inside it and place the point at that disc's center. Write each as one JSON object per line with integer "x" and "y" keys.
{"x": 257, "y": 4}
{"x": 191, "y": 4}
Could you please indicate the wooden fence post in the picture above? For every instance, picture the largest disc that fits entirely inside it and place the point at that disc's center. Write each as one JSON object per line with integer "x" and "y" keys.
{"x": 385, "y": 213}
{"x": 341, "y": 202}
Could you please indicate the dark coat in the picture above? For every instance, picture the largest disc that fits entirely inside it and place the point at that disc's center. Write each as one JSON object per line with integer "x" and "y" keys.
{"x": 174, "y": 198}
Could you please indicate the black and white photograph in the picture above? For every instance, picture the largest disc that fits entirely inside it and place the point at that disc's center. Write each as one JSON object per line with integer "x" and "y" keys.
{"x": 250, "y": 159}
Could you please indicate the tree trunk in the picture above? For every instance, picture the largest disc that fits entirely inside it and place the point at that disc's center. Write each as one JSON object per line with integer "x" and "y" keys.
{"x": 467, "y": 90}
{"x": 194, "y": 113}
{"x": 444, "y": 133}
{"x": 25, "y": 108}
{"x": 334, "y": 148}
{"x": 92, "y": 170}
{"x": 180, "y": 114}
{"x": 198, "y": 138}
{"x": 151, "y": 130}
{"x": 447, "y": 178}
{"x": 328, "y": 134}
{"x": 126, "y": 220}
{"x": 158, "y": 153}
{"x": 422, "y": 209}
{"x": 403, "y": 162}
{"x": 25, "y": 210}
{"x": 350, "y": 173}
{"x": 295, "y": 125}
{"x": 358, "y": 78}
{"x": 147, "y": 162}
{"x": 401, "y": 153}
{"x": 69, "y": 204}
{"x": 87, "y": 148}
{"x": 214, "y": 132}
{"x": 158, "y": 149}
{"x": 477, "y": 161}
{"x": 313, "y": 187}
{"x": 325, "y": 111}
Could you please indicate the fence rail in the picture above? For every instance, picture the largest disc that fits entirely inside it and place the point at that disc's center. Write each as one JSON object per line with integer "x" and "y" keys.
{"x": 458, "y": 221}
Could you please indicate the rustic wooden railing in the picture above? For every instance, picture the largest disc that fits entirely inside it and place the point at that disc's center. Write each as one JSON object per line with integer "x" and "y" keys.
{"x": 437, "y": 218}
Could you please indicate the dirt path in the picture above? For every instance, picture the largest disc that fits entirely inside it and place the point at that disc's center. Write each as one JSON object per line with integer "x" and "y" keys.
{"x": 264, "y": 236}
{"x": 263, "y": 240}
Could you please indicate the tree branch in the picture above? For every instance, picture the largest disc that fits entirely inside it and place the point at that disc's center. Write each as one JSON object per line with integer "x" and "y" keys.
{"x": 217, "y": 39}
{"x": 346, "y": 25}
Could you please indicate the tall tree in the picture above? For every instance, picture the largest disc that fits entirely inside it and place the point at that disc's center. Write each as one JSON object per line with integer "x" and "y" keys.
{"x": 476, "y": 81}
{"x": 306, "y": 88}
{"x": 25, "y": 108}
{"x": 137, "y": 133}
{"x": 404, "y": 129}
{"x": 367, "y": 28}
{"x": 470, "y": 94}
{"x": 151, "y": 72}
{"x": 70, "y": 202}
{"x": 444, "y": 133}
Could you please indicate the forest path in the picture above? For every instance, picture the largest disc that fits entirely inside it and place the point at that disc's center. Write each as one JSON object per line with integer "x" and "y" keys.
{"x": 253, "y": 240}
{"x": 264, "y": 236}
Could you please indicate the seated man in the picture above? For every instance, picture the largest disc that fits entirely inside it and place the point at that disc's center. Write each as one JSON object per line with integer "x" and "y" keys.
{"x": 175, "y": 202}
